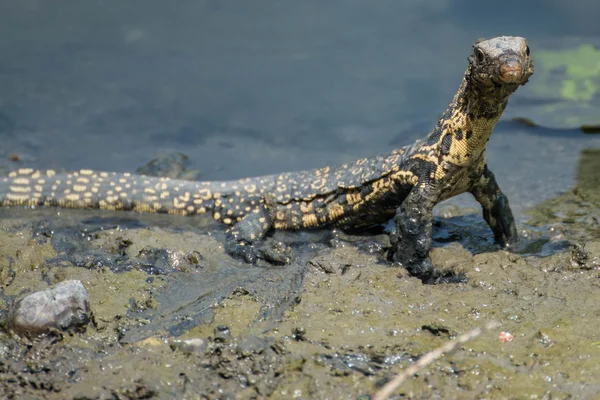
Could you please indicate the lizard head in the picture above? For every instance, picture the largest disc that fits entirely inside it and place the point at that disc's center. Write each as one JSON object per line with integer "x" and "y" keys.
{"x": 501, "y": 62}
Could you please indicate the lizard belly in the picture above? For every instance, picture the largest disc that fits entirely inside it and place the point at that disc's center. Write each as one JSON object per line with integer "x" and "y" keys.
{"x": 373, "y": 204}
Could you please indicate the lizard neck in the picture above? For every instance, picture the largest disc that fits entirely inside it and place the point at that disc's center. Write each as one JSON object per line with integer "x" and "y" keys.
{"x": 462, "y": 133}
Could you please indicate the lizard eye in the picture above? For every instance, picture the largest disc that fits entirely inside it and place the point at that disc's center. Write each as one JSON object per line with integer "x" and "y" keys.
{"x": 527, "y": 51}
{"x": 479, "y": 56}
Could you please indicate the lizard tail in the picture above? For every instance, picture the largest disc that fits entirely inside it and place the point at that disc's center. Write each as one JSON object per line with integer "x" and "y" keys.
{"x": 105, "y": 190}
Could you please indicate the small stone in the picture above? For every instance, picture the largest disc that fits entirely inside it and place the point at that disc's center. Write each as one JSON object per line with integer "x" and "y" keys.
{"x": 64, "y": 307}
{"x": 299, "y": 333}
{"x": 544, "y": 337}
{"x": 506, "y": 337}
{"x": 250, "y": 345}
{"x": 579, "y": 257}
{"x": 189, "y": 346}
{"x": 222, "y": 334}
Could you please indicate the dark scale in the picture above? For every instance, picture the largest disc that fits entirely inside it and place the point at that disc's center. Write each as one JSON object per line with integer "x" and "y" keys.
{"x": 404, "y": 185}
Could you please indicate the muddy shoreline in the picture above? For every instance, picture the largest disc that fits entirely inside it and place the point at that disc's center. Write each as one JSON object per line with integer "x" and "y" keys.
{"x": 174, "y": 317}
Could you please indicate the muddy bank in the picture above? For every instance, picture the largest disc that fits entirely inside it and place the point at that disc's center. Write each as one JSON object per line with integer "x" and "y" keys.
{"x": 174, "y": 317}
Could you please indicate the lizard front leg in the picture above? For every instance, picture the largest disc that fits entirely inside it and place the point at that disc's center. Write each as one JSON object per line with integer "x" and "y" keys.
{"x": 243, "y": 239}
{"x": 412, "y": 241}
{"x": 496, "y": 210}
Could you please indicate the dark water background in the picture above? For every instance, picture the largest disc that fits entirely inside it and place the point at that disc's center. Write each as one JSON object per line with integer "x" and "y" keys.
{"x": 256, "y": 87}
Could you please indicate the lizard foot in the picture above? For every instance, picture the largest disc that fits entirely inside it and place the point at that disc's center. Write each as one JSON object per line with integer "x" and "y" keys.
{"x": 242, "y": 251}
{"x": 422, "y": 269}
{"x": 419, "y": 267}
{"x": 271, "y": 251}
{"x": 276, "y": 253}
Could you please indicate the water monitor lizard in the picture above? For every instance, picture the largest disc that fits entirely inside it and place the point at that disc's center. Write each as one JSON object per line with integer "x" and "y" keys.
{"x": 404, "y": 184}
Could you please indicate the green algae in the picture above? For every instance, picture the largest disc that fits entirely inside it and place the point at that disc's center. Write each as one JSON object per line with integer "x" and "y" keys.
{"x": 580, "y": 66}
{"x": 565, "y": 86}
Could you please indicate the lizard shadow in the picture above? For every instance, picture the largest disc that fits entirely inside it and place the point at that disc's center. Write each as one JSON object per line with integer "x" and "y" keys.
{"x": 467, "y": 232}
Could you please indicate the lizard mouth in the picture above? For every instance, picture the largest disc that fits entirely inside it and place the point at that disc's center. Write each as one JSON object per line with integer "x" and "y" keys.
{"x": 512, "y": 71}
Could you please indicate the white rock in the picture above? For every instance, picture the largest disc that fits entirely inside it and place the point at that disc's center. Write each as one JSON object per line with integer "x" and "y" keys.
{"x": 64, "y": 306}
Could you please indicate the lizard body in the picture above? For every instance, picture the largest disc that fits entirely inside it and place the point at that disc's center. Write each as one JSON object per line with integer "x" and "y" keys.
{"x": 404, "y": 184}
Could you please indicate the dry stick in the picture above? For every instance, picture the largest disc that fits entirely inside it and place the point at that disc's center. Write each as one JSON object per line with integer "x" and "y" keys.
{"x": 428, "y": 358}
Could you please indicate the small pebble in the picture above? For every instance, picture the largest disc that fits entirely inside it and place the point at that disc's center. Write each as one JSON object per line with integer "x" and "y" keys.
{"x": 506, "y": 337}
{"x": 222, "y": 333}
{"x": 299, "y": 333}
{"x": 64, "y": 306}
{"x": 189, "y": 346}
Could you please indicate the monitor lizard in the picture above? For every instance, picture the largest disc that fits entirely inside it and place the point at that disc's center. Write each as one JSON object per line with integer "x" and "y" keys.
{"x": 404, "y": 184}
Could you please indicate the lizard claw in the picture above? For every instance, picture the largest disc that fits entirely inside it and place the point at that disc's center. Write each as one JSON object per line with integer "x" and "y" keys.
{"x": 242, "y": 251}
{"x": 275, "y": 253}
{"x": 421, "y": 270}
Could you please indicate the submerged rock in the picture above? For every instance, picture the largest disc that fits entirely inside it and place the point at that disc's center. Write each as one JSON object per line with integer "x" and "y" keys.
{"x": 64, "y": 307}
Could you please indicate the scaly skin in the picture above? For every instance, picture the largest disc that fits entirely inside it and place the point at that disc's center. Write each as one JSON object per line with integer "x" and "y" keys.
{"x": 405, "y": 184}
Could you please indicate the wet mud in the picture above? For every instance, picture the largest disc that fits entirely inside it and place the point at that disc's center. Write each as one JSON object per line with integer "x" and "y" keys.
{"x": 174, "y": 317}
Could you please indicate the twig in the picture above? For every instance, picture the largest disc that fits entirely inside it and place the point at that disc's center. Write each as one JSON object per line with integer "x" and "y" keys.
{"x": 428, "y": 358}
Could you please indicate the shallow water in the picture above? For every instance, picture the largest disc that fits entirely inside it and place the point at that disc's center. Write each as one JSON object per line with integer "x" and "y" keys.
{"x": 260, "y": 87}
